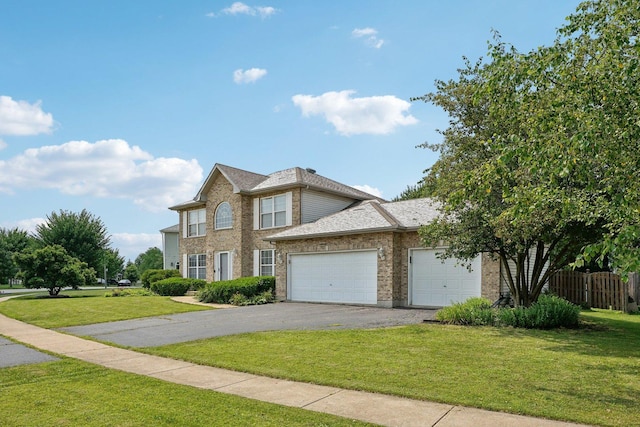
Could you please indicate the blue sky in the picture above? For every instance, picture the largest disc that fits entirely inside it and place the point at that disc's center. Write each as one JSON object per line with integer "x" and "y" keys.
{"x": 123, "y": 107}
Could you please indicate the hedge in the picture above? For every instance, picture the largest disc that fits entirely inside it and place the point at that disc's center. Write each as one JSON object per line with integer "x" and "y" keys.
{"x": 221, "y": 292}
{"x": 153, "y": 275}
{"x": 176, "y": 286}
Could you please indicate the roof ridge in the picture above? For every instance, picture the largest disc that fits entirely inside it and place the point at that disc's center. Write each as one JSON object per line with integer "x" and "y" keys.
{"x": 382, "y": 211}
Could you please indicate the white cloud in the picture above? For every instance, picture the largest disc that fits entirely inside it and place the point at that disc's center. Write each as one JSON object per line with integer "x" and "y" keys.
{"x": 239, "y": 8}
{"x": 3, "y": 145}
{"x": 131, "y": 245}
{"x": 107, "y": 169}
{"x": 251, "y": 75}
{"x": 369, "y": 35}
{"x": 29, "y": 225}
{"x": 22, "y": 118}
{"x": 368, "y": 189}
{"x": 376, "y": 115}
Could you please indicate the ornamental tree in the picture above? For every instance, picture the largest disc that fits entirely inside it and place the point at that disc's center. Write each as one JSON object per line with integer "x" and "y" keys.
{"x": 537, "y": 165}
{"x": 51, "y": 267}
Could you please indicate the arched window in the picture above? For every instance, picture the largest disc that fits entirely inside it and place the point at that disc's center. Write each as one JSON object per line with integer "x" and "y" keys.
{"x": 224, "y": 218}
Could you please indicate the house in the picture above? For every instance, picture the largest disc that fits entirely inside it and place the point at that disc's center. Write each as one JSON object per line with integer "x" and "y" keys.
{"x": 222, "y": 229}
{"x": 323, "y": 240}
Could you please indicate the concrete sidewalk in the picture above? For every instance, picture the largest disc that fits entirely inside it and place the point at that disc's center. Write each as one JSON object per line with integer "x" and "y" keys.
{"x": 370, "y": 407}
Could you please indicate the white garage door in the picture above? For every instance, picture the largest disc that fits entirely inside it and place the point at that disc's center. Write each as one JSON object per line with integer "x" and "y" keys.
{"x": 437, "y": 284}
{"x": 341, "y": 277}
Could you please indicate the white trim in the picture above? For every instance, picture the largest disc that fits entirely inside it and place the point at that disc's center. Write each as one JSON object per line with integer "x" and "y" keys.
{"x": 185, "y": 224}
{"x": 185, "y": 265}
{"x": 256, "y": 262}
{"x": 256, "y": 213}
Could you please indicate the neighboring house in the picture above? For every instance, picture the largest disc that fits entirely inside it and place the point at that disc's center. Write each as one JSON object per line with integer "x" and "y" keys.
{"x": 222, "y": 230}
{"x": 324, "y": 241}
{"x": 371, "y": 254}
{"x": 170, "y": 253}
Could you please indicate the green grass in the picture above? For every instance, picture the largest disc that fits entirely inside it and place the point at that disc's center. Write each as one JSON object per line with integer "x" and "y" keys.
{"x": 87, "y": 307}
{"x": 5, "y": 286}
{"x": 73, "y": 393}
{"x": 589, "y": 375}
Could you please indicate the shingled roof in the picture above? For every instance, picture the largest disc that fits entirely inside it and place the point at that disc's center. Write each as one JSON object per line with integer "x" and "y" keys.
{"x": 250, "y": 183}
{"x": 367, "y": 217}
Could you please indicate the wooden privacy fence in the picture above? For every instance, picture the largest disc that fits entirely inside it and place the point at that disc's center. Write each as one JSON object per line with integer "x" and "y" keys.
{"x": 597, "y": 290}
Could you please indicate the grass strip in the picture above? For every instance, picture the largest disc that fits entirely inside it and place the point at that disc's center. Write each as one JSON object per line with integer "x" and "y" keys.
{"x": 89, "y": 307}
{"x": 74, "y": 393}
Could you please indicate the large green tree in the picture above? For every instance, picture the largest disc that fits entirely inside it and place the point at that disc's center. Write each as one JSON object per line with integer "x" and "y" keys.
{"x": 538, "y": 162}
{"x": 12, "y": 241}
{"x": 150, "y": 259}
{"x": 113, "y": 262}
{"x": 51, "y": 267}
{"x": 83, "y": 235}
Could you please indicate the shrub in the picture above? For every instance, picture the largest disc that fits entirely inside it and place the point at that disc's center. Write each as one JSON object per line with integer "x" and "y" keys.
{"x": 153, "y": 275}
{"x": 173, "y": 286}
{"x": 119, "y": 292}
{"x": 265, "y": 297}
{"x": 197, "y": 284}
{"x": 474, "y": 312}
{"x": 222, "y": 292}
{"x": 548, "y": 312}
{"x": 238, "y": 299}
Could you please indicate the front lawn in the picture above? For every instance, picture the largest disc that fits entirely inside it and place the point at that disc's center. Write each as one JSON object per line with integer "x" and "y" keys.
{"x": 74, "y": 393}
{"x": 589, "y": 375}
{"x": 88, "y": 307}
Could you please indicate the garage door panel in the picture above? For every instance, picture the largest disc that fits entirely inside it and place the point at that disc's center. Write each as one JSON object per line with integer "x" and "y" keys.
{"x": 344, "y": 277}
{"x": 437, "y": 283}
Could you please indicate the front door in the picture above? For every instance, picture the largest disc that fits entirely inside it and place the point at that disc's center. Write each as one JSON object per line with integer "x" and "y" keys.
{"x": 223, "y": 267}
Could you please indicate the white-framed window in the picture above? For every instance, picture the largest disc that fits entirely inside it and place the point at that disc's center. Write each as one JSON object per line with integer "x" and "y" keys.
{"x": 267, "y": 262}
{"x": 223, "y": 216}
{"x": 273, "y": 211}
{"x": 197, "y": 223}
{"x": 197, "y": 266}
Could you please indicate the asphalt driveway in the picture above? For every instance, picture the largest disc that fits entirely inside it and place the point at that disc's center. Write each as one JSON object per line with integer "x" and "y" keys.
{"x": 12, "y": 354}
{"x": 171, "y": 329}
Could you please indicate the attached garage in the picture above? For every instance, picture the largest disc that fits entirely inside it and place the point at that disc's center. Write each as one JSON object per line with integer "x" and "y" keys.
{"x": 337, "y": 277}
{"x": 434, "y": 283}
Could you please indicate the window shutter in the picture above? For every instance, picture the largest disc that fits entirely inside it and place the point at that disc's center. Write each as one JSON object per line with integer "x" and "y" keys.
{"x": 185, "y": 266}
{"x": 185, "y": 224}
{"x": 289, "y": 196}
{"x": 256, "y": 262}
{"x": 256, "y": 213}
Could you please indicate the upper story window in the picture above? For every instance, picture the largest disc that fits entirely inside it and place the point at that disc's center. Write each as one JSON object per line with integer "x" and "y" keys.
{"x": 273, "y": 211}
{"x": 223, "y": 217}
{"x": 196, "y": 223}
